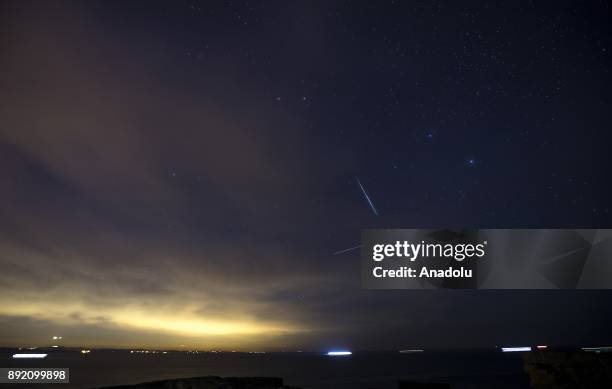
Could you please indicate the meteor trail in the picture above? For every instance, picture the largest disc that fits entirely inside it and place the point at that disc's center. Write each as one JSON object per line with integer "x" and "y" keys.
{"x": 346, "y": 250}
{"x": 367, "y": 197}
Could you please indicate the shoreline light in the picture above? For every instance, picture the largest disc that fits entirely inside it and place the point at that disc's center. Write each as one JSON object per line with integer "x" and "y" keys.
{"x": 338, "y": 353}
{"x": 411, "y": 351}
{"x": 542, "y": 347}
{"x": 17, "y": 356}
{"x": 515, "y": 349}
{"x": 597, "y": 349}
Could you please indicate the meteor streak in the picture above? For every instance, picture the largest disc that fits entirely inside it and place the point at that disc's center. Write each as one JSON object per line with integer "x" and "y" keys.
{"x": 367, "y": 197}
{"x": 346, "y": 250}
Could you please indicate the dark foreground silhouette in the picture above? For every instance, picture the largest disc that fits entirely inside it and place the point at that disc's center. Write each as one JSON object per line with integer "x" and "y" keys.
{"x": 211, "y": 383}
{"x": 568, "y": 370}
{"x": 246, "y": 383}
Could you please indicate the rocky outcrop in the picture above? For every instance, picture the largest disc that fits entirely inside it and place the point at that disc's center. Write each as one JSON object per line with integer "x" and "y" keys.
{"x": 565, "y": 370}
{"x": 211, "y": 383}
{"x": 421, "y": 385}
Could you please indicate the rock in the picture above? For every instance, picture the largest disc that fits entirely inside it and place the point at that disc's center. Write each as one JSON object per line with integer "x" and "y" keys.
{"x": 211, "y": 383}
{"x": 421, "y": 385}
{"x": 565, "y": 370}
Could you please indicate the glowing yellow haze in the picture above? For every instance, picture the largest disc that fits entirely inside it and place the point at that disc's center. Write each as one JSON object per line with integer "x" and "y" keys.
{"x": 176, "y": 323}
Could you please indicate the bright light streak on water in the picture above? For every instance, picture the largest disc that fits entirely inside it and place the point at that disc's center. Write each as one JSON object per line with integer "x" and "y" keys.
{"x": 338, "y": 353}
{"x": 515, "y": 349}
{"x": 29, "y": 356}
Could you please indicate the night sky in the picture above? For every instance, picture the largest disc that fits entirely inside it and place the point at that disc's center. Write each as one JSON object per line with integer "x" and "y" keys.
{"x": 181, "y": 173}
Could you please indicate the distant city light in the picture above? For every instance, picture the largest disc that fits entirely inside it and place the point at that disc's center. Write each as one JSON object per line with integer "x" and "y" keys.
{"x": 85, "y": 351}
{"x": 515, "y": 349}
{"x": 542, "y": 347}
{"x": 411, "y": 351}
{"x": 23, "y": 356}
{"x": 148, "y": 352}
{"x": 338, "y": 353}
{"x": 597, "y": 349}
